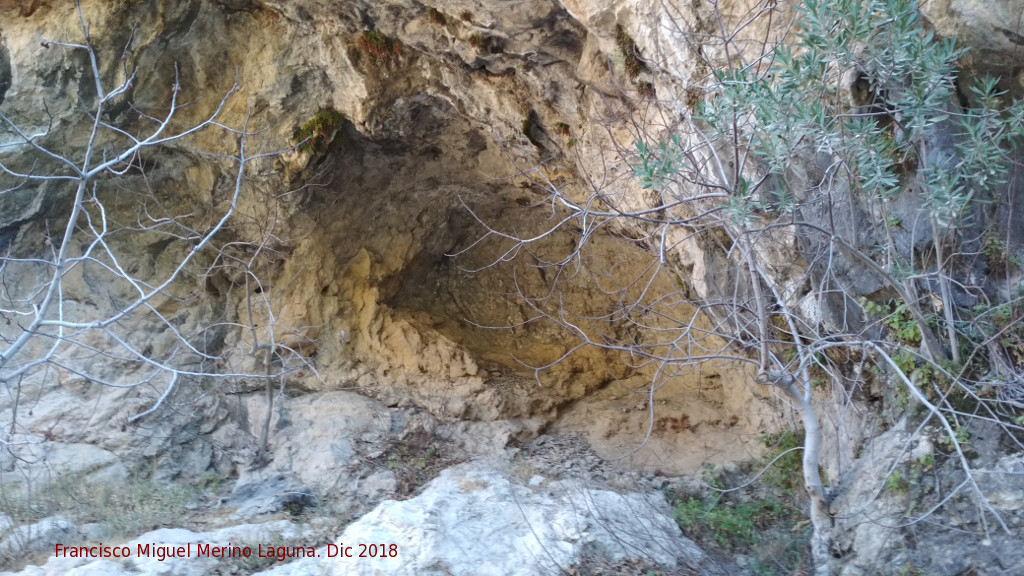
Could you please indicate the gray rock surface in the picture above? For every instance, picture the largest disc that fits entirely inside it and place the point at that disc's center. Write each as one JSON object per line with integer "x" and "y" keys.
{"x": 152, "y": 564}
{"x": 476, "y": 521}
{"x": 36, "y": 537}
{"x": 895, "y": 522}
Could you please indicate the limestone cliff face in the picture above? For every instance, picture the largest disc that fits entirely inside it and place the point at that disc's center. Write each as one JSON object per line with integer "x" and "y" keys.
{"x": 481, "y": 108}
{"x": 367, "y": 249}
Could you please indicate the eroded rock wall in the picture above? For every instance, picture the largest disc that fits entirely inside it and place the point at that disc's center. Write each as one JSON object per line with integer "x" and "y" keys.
{"x": 362, "y": 263}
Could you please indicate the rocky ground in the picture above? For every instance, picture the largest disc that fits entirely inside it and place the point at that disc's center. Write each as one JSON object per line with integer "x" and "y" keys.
{"x": 550, "y": 505}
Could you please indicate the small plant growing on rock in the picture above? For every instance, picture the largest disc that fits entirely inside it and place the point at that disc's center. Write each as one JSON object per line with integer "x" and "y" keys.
{"x": 379, "y": 46}
{"x": 896, "y": 315}
{"x": 318, "y": 132}
{"x": 732, "y": 523}
{"x": 477, "y": 41}
{"x": 562, "y": 129}
{"x": 784, "y": 460}
{"x": 645, "y": 90}
{"x": 632, "y": 63}
{"x": 436, "y": 16}
{"x": 896, "y": 482}
{"x": 960, "y": 439}
{"x": 926, "y": 462}
{"x": 630, "y": 53}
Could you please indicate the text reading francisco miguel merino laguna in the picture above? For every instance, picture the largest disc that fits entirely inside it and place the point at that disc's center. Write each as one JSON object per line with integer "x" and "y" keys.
{"x": 281, "y": 553}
